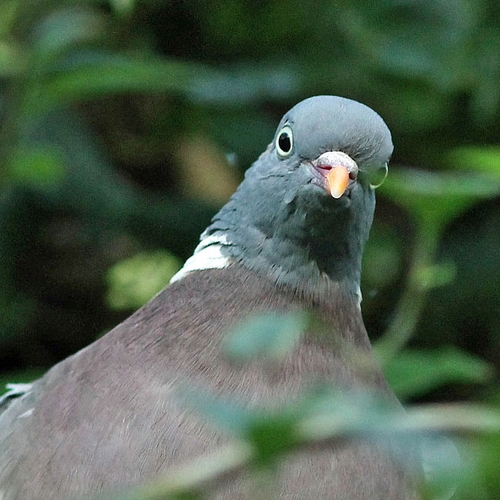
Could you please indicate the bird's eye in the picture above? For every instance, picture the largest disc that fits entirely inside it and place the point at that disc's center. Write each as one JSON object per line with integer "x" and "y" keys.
{"x": 284, "y": 142}
{"x": 378, "y": 177}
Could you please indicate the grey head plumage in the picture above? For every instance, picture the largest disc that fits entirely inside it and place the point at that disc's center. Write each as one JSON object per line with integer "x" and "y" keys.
{"x": 283, "y": 222}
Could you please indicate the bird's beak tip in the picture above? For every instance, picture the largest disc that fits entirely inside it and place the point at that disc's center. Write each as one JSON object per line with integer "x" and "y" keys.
{"x": 337, "y": 181}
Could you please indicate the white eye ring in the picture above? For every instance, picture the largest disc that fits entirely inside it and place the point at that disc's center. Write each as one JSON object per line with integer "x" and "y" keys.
{"x": 284, "y": 142}
{"x": 379, "y": 177}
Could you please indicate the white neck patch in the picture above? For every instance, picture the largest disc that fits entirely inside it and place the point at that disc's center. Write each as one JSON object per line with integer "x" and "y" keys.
{"x": 207, "y": 255}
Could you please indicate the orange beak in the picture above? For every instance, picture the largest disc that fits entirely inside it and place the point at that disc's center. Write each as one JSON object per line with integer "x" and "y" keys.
{"x": 337, "y": 180}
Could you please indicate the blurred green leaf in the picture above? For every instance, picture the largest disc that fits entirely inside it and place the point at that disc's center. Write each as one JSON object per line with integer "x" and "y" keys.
{"x": 479, "y": 478}
{"x": 86, "y": 75}
{"x": 267, "y": 336}
{"x": 413, "y": 373}
{"x": 66, "y": 27}
{"x": 132, "y": 282}
{"x": 477, "y": 159}
{"x": 272, "y": 436}
{"x": 443, "y": 466}
{"x": 436, "y": 275}
{"x": 8, "y": 11}
{"x": 13, "y": 61}
{"x": 229, "y": 415}
{"x": 246, "y": 83}
{"x": 123, "y": 7}
{"x": 435, "y": 198}
{"x": 36, "y": 166}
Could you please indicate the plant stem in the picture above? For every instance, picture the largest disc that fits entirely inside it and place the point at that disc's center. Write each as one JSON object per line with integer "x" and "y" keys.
{"x": 412, "y": 300}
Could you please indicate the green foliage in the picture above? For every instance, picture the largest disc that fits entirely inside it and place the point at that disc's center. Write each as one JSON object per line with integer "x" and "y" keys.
{"x": 36, "y": 167}
{"x": 413, "y": 373}
{"x": 270, "y": 337}
{"x": 133, "y": 281}
{"x": 477, "y": 158}
{"x": 435, "y": 199}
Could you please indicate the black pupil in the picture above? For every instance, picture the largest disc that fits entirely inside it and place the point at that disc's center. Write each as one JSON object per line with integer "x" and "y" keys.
{"x": 284, "y": 142}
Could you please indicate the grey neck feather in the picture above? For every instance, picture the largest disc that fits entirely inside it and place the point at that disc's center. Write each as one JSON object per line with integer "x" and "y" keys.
{"x": 302, "y": 239}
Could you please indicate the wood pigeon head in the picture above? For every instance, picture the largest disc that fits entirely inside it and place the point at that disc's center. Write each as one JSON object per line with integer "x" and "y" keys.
{"x": 303, "y": 212}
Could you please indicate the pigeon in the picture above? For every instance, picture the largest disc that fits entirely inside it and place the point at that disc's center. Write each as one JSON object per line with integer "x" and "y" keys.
{"x": 291, "y": 238}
